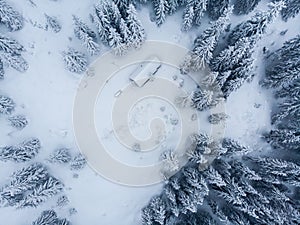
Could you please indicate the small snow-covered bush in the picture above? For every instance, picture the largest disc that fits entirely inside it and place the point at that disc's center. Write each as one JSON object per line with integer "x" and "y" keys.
{"x": 18, "y": 121}
{"x": 75, "y": 61}
{"x": 7, "y": 105}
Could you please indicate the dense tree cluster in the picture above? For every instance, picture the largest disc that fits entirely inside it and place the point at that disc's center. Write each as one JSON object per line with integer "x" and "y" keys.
{"x": 216, "y": 8}
{"x": 232, "y": 190}
{"x": 29, "y": 187}
{"x": 282, "y": 72}
{"x": 10, "y": 17}
{"x": 119, "y": 28}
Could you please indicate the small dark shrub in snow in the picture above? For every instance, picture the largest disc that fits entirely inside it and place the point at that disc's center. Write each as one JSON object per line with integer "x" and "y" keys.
{"x": 49, "y": 217}
{"x": 61, "y": 155}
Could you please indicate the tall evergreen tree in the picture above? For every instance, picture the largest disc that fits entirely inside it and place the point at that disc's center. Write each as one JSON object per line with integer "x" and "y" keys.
{"x": 86, "y": 35}
{"x": 257, "y": 24}
{"x": 10, "y": 17}
{"x": 161, "y": 8}
{"x": 205, "y": 44}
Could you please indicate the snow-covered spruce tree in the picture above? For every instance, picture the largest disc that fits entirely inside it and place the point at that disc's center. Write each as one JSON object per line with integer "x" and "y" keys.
{"x": 10, "y": 17}
{"x": 86, "y": 35}
{"x": 234, "y": 65}
{"x": 161, "y": 8}
{"x": 257, "y": 24}
{"x": 53, "y": 23}
{"x": 18, "y": 121}
{"x": 291, "y": 10}
{"x": 137, "y": 32}
{"x": 7, "y": 105}
{"x": 283, "y": 66}
{"x": 284, "y": 139}
{"x": 78, "y": 162}
{"x": 23, "y": 152}
{"x": 217, "y": 118}
{"x": 75, "y": 61}
{"x": 115, "y": 42}
{"x": 205, "y": 44}
{"x": 216, "y": 8}
{"x": 61, "y": 155}
{"x": 41, "y": 193}
{"x": 244, "y": 6}
{"x": 49, "y": 217}
{"x": 11, "y": 52}
{"x": 193, "y": 12}
{"x": 202, "y": 99}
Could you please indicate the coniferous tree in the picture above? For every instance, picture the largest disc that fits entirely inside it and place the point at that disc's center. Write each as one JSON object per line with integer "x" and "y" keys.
{"x": 205, "y": 44}
{"x": 49, "y": 217}
{"x": 291, "y": 10}
{"x": 283, "y": 66}
{"x": 18, "y": 121}
{"x": 257, "y": 25}
{"x": 244, "y": 6}
{"x": 137, "y": 32}
{"x": 10, "y": 17}
{"x": 78, "y": 162}
{"x": 161, "y": 8}
{"x": 75, "y": 61}
{"x": 1, "y": 70}
{"x": 61, "y": 155}
{"x": 23, "y": 152}
{"x": 284, "y": 138}
{"x": 216, "y": 8}
{"x": 53, "y": 23}
{"x": 234, "y": 65}
{"x": 86, "y": 35}
{"x": 7, "y": 105}
{"x": 11, "y": 52}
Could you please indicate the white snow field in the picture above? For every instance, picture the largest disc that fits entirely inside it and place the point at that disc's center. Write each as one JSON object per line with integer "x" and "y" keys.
{"x": 45, "y": 95}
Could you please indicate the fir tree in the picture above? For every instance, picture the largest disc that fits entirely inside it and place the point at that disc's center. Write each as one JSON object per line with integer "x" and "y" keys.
{"x": 188, "y": 19}
{"x": 205, "y": 44}
{"x": 137, "y": 32}
{"x": 1, "y": 70}
{"x": 41, "y": 193}
{"x": 115, "y": 42}
{"x": 244, "y": 6}
{"x": 7, "y": 105}
{"x": 257, "y": 25}
{"x": 193, "y": 13}
{"x": 216, "y": 8}
{"x": 11, "y": 52}
{"x": 10, "y": 17}
{"x": 283, "y": 138}
{"x": 53, "y": 23}
{"x": 61, "y": 155}
{"x": 75, "y": 61}
{"x": 161, "y": 8}
{"x": 18, "y": 121}
{"x": 49, "y": 217}
{"x": 86, "y": 35}
{"x": 78, "y": 162}
{"x": 291, "y": 10}
{"x": 283, "y": 66}
{"x": 23, "y": 152}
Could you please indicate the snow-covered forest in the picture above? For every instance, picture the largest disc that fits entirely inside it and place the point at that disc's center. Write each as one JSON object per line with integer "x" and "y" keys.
{"x": 241, "y": 56}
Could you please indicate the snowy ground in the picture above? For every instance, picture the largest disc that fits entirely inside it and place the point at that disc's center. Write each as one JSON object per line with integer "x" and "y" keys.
{"x": 45, "y": 94}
